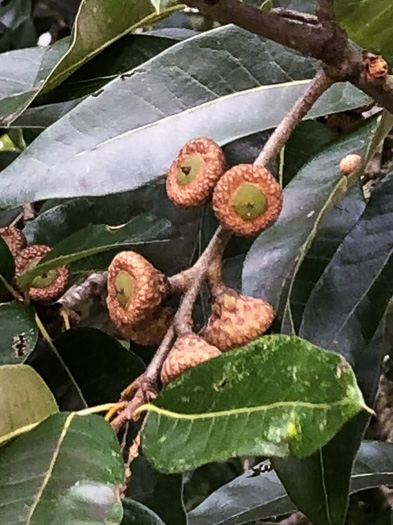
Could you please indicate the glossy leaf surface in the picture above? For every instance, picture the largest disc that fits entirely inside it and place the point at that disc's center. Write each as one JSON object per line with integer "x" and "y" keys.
{"x": 200, "y": 78}
{"x": 75, "y": 470}
{"x": 278, "y": 396}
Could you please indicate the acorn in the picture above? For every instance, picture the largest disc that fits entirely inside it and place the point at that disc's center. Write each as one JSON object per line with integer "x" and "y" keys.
{"x": 151, "y": 330}
{"x": 236, "y": 319}
{"x": 350, "y": 163}
{"x": 194, "y": 172}
{"x": 14, "y": 238}
{"x": 135, "y": 288}
{"x": 47, "y": 287}
{"x": 188, "y": 351}
{"x": 247, "y": 199}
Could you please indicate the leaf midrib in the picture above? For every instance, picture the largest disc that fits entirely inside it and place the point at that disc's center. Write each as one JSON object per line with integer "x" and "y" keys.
{"x": 48, "y": 475}
{"x": 245, "y": 410}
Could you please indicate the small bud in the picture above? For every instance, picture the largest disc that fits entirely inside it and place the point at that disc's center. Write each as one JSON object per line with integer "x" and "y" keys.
{"x": 349, "y": 164}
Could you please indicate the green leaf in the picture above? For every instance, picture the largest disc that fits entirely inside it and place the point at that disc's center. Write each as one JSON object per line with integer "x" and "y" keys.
{"x": 248, "y": 498}
{"x": 114, "y": 368}
{"x": 91, "y": 34}
{"x": 202, "y": 75}
{"x": 256, "y": 497}
{"x": 124, "y": 55}
{"x": 368, "y": 22}
{"x": 332, "y": 230}
{"x": 25, "y": 71}
{"x": 362, "y": 290}
{"x": 276, "y": 255}
{"x": 137, "y": 514}
{"x": 39, "y": 70}
{"x": 373, "y": 466}
{"x": 89, "y": 503}
{"x": 31, "y": 66}
{"x": 139, "y": 231}
{"x": 278, "y": 396}
{"x": 19, "y": 332}
{"x": 25, "y": 400}
{"x": 74, "y": 470}
{"x": 7, "y": 265}
{"x": 308, "y": 139}
{"x": 322, "y": 482}
{"x": 58, "y": 222}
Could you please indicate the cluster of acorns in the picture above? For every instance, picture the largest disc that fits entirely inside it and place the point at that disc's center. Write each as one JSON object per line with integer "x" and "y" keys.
{"x": 246, "y": 199}
{"x": 45, "y": 288}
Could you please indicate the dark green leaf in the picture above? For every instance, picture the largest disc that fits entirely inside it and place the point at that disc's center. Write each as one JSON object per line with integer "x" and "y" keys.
{"x": 322, "y": 486}
{"x": 368, "y": 22}
{"x": 25, "y": 400}
{"x": 275, "y": 257}
{"x": 72, "y": 464}
{"x": 278, "y": 396}
{"x": 142, "y": 230}
{"x": 333, "y": 228}
{"x": 137, "y": 514}
{"x": 19, "y": 332}
{"x": 122, "y": 56}
{"x": 373, "y": 466}
{"x": 213, "y": 72}
{"x": 247, "y": 498}
{"x": 25, "y": 70}
{"x": 114, "y": 367}
{"x": 58, "y": 222}
{"x": 308, "y": 139}
{"x": 39, "y": 118}
{"x": 41, "y": 69}
{"x": 253, "y": 497}
{"x": 349, "y": 300}
{"x": 7, "y": 265}
{"x": 162, "y": 493}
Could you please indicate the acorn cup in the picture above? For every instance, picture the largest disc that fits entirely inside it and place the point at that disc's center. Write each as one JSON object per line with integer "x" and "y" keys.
{"x": 47, "y": 287}
{"x": 194, "y": 172}
{"x": 151, "y": 329}
{"x": 14, "y": 238}
{"x": 247, "y": 199}
{"x": 135, "y": 289}
{"x": 236, "y": 319}
{"x": 188, "y": 351}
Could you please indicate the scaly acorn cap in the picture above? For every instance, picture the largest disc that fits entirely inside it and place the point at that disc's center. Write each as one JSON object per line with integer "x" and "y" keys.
{"x": 188, "y": 351}
{"x": 135, "y": 288}
{"x": 151, "y": 330}
{"x": 247, "y": 199}
{"x": 236, "y": 319}
{"x": 14, "y": 238}
{"x": 194, "y": 172}
{"x": 47, "y": 287}
{"x": 350, "y": 163}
